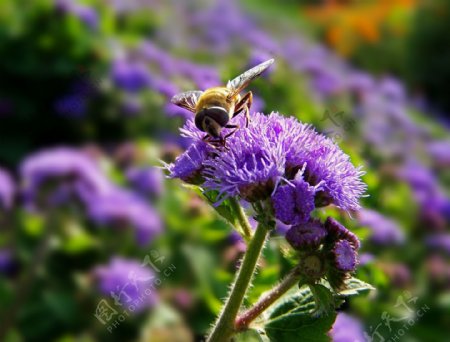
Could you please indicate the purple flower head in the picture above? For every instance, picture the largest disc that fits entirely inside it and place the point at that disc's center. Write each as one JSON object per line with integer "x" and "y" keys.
{"x": 189, "y": 166}
{"x": 148, "y": 180}
{"x": 251, "y": 167}
{"x": 294, "y": 202}
{"x": 128, "y": 282}
{"x": 344, "y": 256}
{"x": 384, "y": 230}
{"x": 347, "y": 328}
{"x": 272, "y": 149}
{"x": 64, "y": 167}
{"x": 307, "y": 235}
{"x": 337, "y": 231}
{"x": 7, "y": 190}
{"x": 132, "y": 76}
{"x": 121, "y": 208}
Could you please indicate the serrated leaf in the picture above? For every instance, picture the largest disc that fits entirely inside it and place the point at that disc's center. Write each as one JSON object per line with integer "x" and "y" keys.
{"x": 354, "y": 286}
{"x": 295, "y": 316}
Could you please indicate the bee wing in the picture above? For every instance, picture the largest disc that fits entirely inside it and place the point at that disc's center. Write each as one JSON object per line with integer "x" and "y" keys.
{"x": 187, "y": 100}
{"x": 240, "y": 82}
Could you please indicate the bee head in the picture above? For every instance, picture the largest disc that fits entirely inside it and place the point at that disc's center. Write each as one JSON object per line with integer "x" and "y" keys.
{"x": 212, "y": 120}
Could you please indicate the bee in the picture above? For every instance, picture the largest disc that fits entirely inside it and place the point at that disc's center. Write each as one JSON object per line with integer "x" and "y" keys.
{"x": 215, "y": 107}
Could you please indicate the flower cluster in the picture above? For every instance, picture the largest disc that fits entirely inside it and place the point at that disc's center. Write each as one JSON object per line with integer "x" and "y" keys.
{"x": 276, "y": 158}
{"x": 287, "y": 164}
{"x": 326, "y": 250}
{"x": 56, "y": 176}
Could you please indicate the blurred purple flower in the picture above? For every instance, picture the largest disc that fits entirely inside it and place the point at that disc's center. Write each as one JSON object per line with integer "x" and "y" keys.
{"x": 7, "y": 190}
{"x": 122, "y": 208}
{"x": 147, "y": 180}
{"x": 128, "y": 282}
{"x": 426, "y": 190}
{"x": 347, "y": 328}
{"x": 392, "y": 89}
{"x": 439, "y": 242}
{"x": 384, "y": 230}
{"x": 132, "y": 76}
{"x": 439, "y": 150}
{"x": 64, "y": 166}
{"x": 366, "y": 258}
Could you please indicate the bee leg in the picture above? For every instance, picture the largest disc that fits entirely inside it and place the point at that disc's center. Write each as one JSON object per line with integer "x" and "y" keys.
{"x": 236, "y": 127}
{"x": 244, "y": 105}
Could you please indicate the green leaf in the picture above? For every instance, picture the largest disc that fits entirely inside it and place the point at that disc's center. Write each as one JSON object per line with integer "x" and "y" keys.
{"x": 251, "y": 335}
{"x": 224, "y": 209}
{"x": 324, "y": 300}
{"x": 296, "y": 316}
{"x": 354, "y": 286}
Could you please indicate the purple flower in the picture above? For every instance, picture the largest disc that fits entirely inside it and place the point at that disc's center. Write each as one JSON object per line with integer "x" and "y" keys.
{"x": 61, "y": 166}
{"x": 294, "y": 202}
{"x": 307, "y": 235}
{"x": 189, "y": 166}
{"x": 384, "y": 230}
{"x": 132, "y": 76}
{"x": 148, "y": 180}
{"x": 251, "y": 167}
{"x": 366, "y": 258}
{"x": 128, "y": 282}
{"x": 271, "y": 150}
{"x": 122, "y": 208}
{"x": 439, "y": 242}
{"x": 87, "y": 15}
{"x": 7, "y": 190}
{"x": 440, "y": 151}
{"x": 347, "y": 328}
{"x": 344, "y": 256}
{"x": 337, "y": 231}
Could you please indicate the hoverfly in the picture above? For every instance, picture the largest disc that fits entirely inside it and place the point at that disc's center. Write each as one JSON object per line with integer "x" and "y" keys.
{"x": 215, "y": 107}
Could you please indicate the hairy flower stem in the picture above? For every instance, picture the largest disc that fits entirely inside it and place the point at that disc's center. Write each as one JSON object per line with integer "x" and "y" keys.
{"x": 267, "y": 299}
{"x": 224, "y": 327}
{"x": 242, "y": 218}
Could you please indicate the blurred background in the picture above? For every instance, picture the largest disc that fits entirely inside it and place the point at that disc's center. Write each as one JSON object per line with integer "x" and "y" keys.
{"x": 96, "y": 244}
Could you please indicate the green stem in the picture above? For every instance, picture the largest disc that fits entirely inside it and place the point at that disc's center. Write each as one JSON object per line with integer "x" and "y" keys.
{"x": 243, "y": 321}
{"x": 224, "y": 328}
{"x": 242, "y": 219}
